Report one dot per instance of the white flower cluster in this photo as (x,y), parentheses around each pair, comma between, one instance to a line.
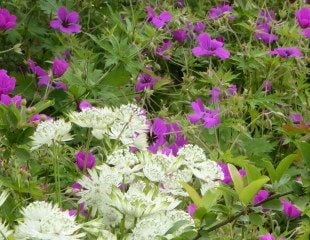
(141,200)
(155,226)
(42,220)
(50,132)
(95,192)
(127,123)
(141,189)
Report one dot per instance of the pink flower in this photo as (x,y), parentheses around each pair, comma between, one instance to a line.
(158,21)
(7,20)
(287,52)
(209,47)
(215,95)
(227,177)
(267,236)
(42,75)
(60,85)
(85,160)
(289,209)
(162,50)
(84,104)
(7,100)
(267,86)
(261,196)
(191,209)
(232,89)
(7,83)
(37,118)
(218,11)
(67,22)
(303,17)
(60,66)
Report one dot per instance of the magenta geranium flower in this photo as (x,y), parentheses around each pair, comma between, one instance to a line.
(180,35)
(84,104)
(60,85)
(263,28)
(199,27)
(303,18)
(161,132)
(42,75)
(67,22)
(7,100)
(232,89)
(7,20)
(210,118)
(162,49)
(60,66)
(287,52)
(289,209)
(7,83)
(215,95)
(227,177)
(158,21)
(145,81)
(38,118)
(218,11)
(267,236)
(296,117)
(210,47)
(261,196)
(191,209)
(85,160)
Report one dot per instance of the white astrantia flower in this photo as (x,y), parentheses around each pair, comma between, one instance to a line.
(125,162)
(155,226)
(204,169)
(192,154)
(98,119)
(42,220)
(142,200)
(4,231)
(130,126)
(50,132)
(166,171)
(95,190)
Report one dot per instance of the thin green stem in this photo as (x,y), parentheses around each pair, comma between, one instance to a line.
(56,174)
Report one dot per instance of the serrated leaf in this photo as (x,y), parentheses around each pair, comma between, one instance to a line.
(193,194)
(237,179)
(48,6)
(249,191)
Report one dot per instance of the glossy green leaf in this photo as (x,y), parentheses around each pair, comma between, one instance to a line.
(249,191)
(284,165)
(193,194)
(237,179)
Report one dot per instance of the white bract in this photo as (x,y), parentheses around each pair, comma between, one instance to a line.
(51,132)
(42,220)
(155,226)
(141,200)
(95,192)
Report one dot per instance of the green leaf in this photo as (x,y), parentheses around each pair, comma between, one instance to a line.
(249,191)
(210,198)
(271,170)
(237,179)
(117,77)
(48,6)
(284,165)
(304,148)
(253,172)
(176,226)
(193,194)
